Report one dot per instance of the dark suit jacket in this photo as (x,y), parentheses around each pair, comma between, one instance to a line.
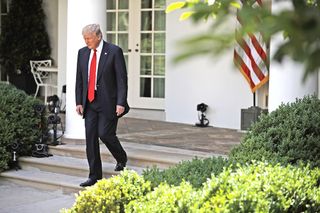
(112,79)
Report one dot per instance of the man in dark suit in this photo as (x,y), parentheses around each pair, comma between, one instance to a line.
(101,97)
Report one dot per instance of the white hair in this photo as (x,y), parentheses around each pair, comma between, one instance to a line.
(92,29)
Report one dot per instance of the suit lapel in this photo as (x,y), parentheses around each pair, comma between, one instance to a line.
(86,57)
(103,58)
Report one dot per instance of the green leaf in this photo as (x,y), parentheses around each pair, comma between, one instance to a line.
(186,15)
(235,4)
(175,6)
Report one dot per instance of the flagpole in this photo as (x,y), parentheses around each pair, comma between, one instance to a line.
(254,99)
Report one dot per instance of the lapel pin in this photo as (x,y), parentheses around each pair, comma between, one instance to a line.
(105,53)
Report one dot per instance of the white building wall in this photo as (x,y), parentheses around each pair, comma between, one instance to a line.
(212,80)
(286,83)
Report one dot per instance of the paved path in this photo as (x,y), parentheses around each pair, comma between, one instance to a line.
(21,199)
(16,198)
(184,136)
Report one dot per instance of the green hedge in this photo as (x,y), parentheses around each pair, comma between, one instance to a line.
(165,198)
(111,195)
(288,135)
(195,172)
(259,187)
(19,121)
(262,187)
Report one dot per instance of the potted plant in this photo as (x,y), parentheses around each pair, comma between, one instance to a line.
(23,38)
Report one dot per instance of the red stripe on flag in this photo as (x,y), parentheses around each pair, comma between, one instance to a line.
(254,65)
(257,45)
(243,68)
(258,48)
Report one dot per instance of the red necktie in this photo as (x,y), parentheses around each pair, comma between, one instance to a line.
(92,76)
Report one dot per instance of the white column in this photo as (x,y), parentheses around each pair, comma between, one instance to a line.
(80,13)
(62,43)
(286,79)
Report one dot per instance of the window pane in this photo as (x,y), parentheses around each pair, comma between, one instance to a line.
(123,4)
(4,6)
(160,20)
(146,41)
(159,43)
(3,19)
(159,65)
(111,37)
(123,21)
(160,4)
(111,4)
(123,41)
(158,88)
(146,4)
(146,20)
(145,65)
(145,87)
(111,21)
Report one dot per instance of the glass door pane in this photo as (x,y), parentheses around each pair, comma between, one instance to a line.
(123,4)
(158,87)
(111,4)
(146,4)
(118,24)
(160,4)
(123,21)
(111,21)
(152,40)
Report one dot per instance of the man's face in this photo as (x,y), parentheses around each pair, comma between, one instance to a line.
(92,40)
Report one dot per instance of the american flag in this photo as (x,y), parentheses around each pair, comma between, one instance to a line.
(251,57)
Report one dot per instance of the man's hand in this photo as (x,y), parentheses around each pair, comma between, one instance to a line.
(79,109)
(119,110)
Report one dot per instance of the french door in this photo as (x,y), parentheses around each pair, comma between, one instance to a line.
(138,27)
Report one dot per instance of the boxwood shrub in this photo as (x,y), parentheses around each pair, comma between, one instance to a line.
(165,198)
(195,172)
(19,122)
(111,195)
(259,187)
(288,135)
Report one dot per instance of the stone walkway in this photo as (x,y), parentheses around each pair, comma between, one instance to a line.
(15,198)
(184,136)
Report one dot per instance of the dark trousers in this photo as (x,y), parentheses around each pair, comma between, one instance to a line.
(99,126)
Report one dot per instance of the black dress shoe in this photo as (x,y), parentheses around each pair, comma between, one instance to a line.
(88,182)
(119,167)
